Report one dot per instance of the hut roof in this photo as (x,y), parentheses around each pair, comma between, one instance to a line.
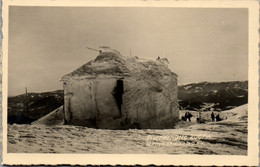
(113,64)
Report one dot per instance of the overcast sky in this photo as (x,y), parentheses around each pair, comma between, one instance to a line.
(46,43)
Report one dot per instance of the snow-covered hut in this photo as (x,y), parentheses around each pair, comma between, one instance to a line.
(119,92)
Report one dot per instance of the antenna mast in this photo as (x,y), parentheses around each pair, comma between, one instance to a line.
(92,49)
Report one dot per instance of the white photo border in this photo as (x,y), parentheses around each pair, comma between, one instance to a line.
(142,159)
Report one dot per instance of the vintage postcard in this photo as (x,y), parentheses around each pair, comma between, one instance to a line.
(130,82)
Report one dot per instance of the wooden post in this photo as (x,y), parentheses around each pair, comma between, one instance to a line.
(27,104)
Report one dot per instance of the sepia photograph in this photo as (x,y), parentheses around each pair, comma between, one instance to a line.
(129,80)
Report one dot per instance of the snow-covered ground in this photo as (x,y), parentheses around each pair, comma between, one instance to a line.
(225,137)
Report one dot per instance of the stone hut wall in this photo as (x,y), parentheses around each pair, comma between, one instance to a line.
(150,105)
(88,101)
(146,103)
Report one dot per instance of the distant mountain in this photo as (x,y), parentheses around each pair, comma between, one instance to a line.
(213,95)
(203,96)
(40,104)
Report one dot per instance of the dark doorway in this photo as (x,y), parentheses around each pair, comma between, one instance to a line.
(118,93)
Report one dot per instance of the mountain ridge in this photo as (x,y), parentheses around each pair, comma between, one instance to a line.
(204,96)
(219,95)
